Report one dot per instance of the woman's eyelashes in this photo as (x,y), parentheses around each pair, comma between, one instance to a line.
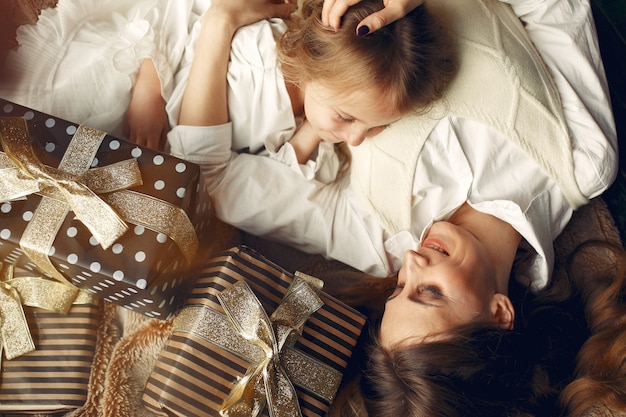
(427,290)
(431,290)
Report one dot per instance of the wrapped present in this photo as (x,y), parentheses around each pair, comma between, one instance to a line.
(47,347)
(253,337)
(121,221)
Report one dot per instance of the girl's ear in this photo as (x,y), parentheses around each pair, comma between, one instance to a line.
(502,311)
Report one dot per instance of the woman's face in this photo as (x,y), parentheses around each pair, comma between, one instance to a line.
(346,117)
(448,281)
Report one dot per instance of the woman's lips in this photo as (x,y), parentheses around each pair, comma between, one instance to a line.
(436,245)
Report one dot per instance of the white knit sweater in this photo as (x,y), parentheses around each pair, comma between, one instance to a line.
(501,81)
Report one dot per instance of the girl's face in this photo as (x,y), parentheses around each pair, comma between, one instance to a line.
(448,281)
(346,117)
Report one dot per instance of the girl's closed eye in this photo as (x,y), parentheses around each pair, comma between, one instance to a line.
(345,119)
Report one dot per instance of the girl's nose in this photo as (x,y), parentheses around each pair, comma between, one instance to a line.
(356,136)
(355,140)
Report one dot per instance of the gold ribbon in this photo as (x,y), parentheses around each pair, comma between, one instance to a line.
(15,337)
(74,186)
(104,224)
(267,345)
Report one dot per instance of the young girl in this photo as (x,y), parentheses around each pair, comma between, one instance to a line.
(328,88)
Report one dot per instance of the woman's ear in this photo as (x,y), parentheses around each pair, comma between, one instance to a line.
(502,311)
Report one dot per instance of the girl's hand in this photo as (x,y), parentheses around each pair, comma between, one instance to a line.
(245,12)
(305,141)
(333,10)
(146,121)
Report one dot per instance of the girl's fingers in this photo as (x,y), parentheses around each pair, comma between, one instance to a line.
(393,10)
(333,10)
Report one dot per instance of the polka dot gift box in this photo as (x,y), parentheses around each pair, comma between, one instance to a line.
(121,221)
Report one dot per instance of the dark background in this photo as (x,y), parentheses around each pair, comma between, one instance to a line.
(610,17)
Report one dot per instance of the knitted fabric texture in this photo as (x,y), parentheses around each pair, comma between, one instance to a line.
(501,81)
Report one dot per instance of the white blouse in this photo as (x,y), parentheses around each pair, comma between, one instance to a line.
(462,161)
(259,107)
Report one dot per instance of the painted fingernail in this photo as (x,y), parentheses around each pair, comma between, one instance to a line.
(362,31)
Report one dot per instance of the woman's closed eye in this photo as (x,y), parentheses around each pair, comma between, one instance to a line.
(432,290)
(427,290)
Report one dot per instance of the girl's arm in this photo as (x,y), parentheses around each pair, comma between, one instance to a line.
(146,121)
(160,50)
(205,100)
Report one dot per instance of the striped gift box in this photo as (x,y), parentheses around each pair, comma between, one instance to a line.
(193,375)
(54,377)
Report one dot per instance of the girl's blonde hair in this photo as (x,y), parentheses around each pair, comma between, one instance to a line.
(409,62)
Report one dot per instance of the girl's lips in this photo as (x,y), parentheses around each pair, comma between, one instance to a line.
(436,245)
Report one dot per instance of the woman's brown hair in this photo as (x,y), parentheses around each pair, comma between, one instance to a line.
(477,370)
(598,269)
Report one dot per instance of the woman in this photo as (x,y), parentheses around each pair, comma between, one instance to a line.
(473,368)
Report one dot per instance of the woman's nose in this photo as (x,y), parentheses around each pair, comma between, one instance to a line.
(412,257)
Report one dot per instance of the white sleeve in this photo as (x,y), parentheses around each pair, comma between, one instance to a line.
(265,197)
(563,31)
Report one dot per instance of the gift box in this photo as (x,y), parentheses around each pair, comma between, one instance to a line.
(221,349)
(119,220)
(46,354)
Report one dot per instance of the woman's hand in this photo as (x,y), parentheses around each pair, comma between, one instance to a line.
(333,10)
(146,121)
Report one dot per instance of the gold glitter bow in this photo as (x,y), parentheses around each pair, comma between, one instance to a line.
(265,381)
(15,337)
(104,224)
(275,366)
(74,186)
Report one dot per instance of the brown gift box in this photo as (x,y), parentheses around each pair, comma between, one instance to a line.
(145,269)
(53,378)
(193,375)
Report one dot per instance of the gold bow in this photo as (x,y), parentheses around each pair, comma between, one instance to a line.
(74,186)
(15,337)
(104,224)
(275,366)
(265,381)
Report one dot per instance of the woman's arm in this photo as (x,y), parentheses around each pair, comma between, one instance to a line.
(146,121)
(563,31)
(266,198)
